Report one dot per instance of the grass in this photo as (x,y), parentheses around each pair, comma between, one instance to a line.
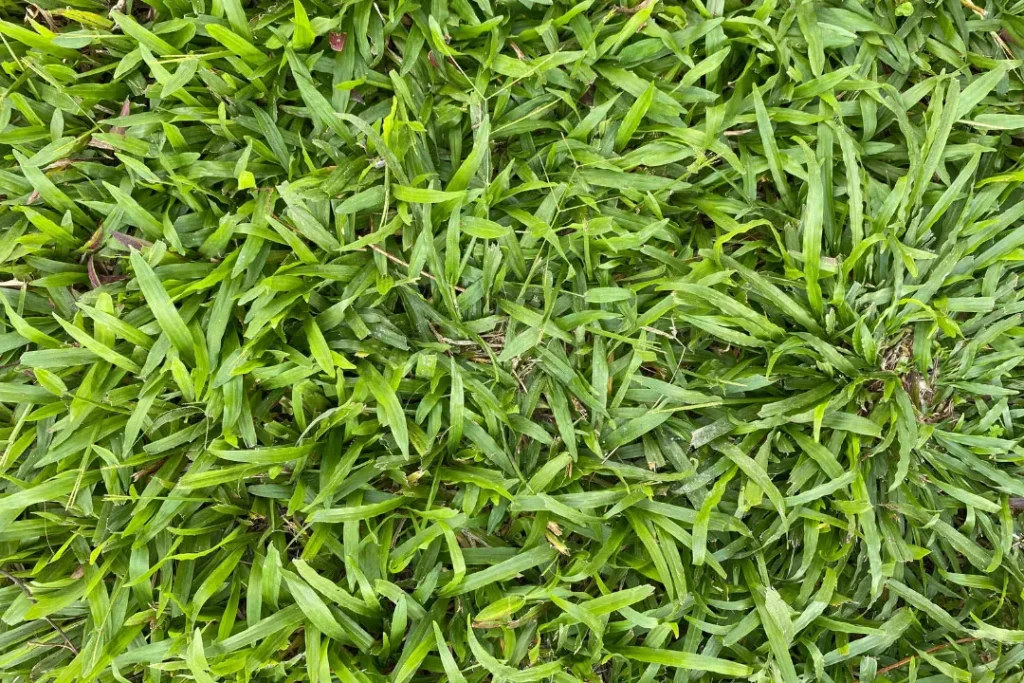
(521,341)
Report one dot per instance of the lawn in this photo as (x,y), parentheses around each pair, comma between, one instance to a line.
(514,341)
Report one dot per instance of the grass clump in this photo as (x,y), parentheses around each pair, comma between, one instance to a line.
(518,341)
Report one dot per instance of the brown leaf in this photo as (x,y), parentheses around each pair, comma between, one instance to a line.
(126,109)
(129,241)
(100,144)
(94,279)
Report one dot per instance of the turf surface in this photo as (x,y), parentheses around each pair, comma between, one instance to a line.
(511,341)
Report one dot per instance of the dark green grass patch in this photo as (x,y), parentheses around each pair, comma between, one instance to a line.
(516,341)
